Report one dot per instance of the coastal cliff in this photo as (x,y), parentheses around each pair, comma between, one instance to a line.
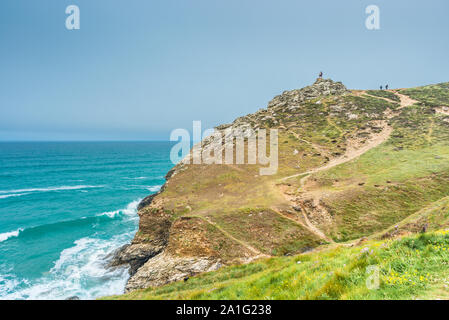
(343,174)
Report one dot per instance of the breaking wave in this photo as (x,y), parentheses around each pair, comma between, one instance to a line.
(5,236)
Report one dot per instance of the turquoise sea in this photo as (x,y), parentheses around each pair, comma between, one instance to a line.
(64,207)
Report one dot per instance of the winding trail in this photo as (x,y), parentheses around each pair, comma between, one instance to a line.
(307,225)
(257,253)
(372,143)
(406,101)
(314,229)
(349,155)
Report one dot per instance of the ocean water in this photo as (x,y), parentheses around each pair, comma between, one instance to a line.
(64,207)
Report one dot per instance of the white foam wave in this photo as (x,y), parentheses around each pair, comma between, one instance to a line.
(130,210)
(136,178)
(13,195)
(49,189)
(5,236)
(81,270)
(8,283)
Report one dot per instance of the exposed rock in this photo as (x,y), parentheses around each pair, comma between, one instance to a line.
(322,87)
(146,201)
(442,110)
(165,268)
(152,238)
(135,255)
(286,102)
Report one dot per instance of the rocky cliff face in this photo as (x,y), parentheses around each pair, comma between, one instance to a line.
(155,257)
(288,101)
(321,88)
(208,216)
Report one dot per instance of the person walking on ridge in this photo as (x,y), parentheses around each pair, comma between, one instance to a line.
(320,75)
(380,87)
(386,87)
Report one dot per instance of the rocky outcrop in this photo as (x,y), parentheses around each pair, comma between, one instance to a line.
(285,103)
(150,240)
(135,255)
(194,247)
(166,268)
(146,201)
(322,87)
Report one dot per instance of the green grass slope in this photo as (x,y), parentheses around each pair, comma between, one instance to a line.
(413,267)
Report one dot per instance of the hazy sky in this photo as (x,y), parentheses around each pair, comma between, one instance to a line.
(138,69)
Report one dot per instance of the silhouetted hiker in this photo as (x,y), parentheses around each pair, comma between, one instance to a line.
(380,87)
(386,87)
(321,74)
